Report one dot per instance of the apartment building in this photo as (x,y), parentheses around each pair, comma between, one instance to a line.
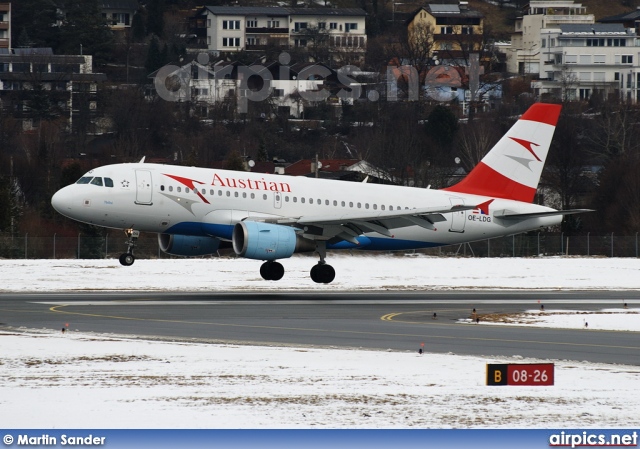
(236,28)
(579,60)
(68,81)
(5,28)
(523,56)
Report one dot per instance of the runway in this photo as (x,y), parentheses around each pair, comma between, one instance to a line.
(380,321)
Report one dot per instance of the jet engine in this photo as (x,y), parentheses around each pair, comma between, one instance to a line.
(188,245)
(266,241)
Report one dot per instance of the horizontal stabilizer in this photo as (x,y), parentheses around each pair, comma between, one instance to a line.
(506,215)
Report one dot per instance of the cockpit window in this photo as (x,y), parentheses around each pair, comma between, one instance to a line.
(108,182)
(84,180)
(97,181)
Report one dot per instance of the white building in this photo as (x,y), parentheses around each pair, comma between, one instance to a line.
(577,60)
(523,56)
(236,28)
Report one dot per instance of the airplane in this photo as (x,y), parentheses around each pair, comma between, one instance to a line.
(268,217)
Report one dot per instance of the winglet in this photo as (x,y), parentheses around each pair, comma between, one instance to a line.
(513,167)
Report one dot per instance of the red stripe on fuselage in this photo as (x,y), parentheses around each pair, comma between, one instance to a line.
(485,181)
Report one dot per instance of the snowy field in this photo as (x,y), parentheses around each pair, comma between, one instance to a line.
(84,380)
(358,272)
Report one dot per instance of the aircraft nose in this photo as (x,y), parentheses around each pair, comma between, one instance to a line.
(61,201)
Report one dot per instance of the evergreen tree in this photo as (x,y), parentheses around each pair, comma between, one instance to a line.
(137,27)
(155,17)
(84,29)
(154,57)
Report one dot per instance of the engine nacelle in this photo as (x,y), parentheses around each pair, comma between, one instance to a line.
(188,245)
(266,241)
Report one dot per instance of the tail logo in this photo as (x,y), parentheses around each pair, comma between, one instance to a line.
(528,146)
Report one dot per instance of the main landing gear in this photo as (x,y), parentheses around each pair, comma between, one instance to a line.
(128,258)
(322,273)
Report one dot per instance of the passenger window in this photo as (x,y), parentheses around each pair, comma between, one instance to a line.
(302,200)
(84,180)
(235,194)
(343,204)
(382,207)
(350,203)
(264,197)
(161,187)
(390,207)
(295,199)
(170,188)
(228,193)
(375,207)
(359,205)
(204,191)
(310,200)
(219,192)
(109,182)
(253,196)
(212,192)
(244,194)
(286,199)
(366,205)
(186,189)
(97,181)
(179,189)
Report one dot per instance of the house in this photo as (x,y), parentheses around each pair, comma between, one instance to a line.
(5,28)
(523,56)
(118,13)
(67,82)
(578,60)
(450,30)
(341,31)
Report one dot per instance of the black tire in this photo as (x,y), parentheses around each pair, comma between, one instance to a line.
(127,259)
(271,271)
(322,274)
(327,274)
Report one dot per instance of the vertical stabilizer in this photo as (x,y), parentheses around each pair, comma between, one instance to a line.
(512,168)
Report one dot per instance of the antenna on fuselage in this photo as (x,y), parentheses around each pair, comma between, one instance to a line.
(142,160)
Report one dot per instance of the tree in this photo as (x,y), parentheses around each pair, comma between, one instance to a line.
(155,17)
(137,27)
(442,125)
(154,56)
(84,31)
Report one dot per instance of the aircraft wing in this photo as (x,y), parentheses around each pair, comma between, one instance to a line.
(350,225)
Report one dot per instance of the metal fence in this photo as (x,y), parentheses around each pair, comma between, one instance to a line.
(522,245)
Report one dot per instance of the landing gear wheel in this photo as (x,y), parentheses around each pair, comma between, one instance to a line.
(323,274)
(127,259)
(271,271)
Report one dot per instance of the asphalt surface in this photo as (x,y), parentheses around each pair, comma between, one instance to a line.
(396,321)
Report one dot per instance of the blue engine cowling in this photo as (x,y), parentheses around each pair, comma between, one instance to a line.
(266,241)
(188,245)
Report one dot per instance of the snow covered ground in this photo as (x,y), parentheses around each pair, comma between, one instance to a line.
(357,272)
(84,380)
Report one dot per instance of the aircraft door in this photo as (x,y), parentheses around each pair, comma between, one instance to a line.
(458,219)
(144,187)
(277,200)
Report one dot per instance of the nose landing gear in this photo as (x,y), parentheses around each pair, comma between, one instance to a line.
(128,258)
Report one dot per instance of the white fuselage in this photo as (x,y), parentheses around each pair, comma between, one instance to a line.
(198,201)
